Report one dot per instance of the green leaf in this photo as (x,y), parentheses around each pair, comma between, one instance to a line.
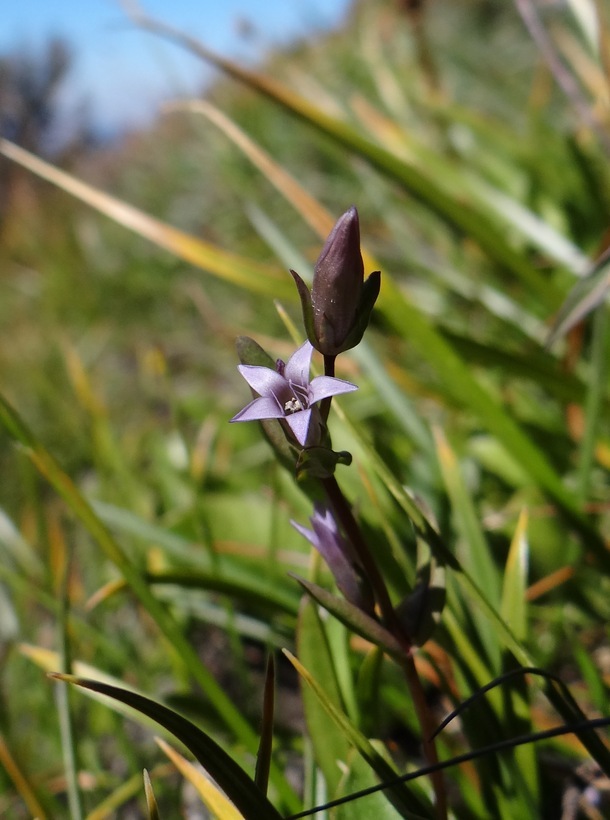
(403,798)
(514,605)
(330,748)
(359,775)
(421,610)
(353,618)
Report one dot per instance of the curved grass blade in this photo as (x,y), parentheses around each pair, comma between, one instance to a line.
(252,276)
(330,749)
(598,380)
(555,681)
(230,777)
(476,557)
(316,216)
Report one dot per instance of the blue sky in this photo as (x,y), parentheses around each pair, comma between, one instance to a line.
(126,73)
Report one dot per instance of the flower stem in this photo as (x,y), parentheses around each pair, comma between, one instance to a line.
(352,530)
(427,731)
(329,370)
(350,526)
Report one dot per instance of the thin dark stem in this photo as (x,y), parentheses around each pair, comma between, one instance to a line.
(329,370)
(427,729)
(352,530)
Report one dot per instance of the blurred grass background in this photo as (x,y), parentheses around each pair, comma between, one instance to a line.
(120,356)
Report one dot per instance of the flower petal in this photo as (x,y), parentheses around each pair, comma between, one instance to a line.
(265,381)
(327,540)
(324,386)
(263,408)
(308,534)
(299,424)
(297,366)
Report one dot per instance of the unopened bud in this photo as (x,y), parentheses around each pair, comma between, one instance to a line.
(338,310)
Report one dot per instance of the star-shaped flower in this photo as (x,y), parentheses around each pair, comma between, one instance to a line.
(287,393)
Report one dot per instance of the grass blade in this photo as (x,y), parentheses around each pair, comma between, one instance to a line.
(252,276)
(230,777)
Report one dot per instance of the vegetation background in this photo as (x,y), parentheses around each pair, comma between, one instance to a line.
(473,137)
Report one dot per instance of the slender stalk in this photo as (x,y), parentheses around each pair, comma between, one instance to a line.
(427,729)
(352,530)
(329,370)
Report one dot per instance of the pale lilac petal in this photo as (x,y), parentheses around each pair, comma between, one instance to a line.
(299,424)
(308,534)
(324,386)
(323,522)
(332,547)
(265,381)
(326,531)
(262,408)
(297,366)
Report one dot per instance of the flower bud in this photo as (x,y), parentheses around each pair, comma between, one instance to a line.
(337,311)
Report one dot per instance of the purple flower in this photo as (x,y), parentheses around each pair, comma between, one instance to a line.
(339,555)
(287,393)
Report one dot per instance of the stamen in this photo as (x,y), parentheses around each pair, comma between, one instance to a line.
(293,405)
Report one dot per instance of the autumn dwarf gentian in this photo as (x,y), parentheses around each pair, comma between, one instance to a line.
(286,393)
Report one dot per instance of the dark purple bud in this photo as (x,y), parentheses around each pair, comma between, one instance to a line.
(337,312)
(337,284)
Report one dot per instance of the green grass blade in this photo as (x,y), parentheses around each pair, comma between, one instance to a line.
(330,748)
(230,777)
(405,800)
(514,604)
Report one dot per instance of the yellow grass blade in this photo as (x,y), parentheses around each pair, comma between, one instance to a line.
(220,806)
(20,781)
(314,214)
(253,276)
